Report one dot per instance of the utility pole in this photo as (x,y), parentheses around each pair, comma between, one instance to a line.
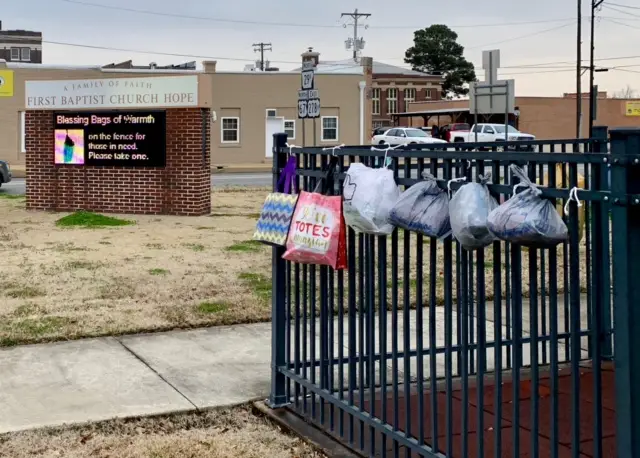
(579,72)
(592,96)
(262,47)
(356,43)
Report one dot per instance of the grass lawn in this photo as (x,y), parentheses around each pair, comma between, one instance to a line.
(68,276)
(213,434)
(76,275)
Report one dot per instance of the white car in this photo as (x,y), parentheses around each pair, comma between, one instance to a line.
(404,136)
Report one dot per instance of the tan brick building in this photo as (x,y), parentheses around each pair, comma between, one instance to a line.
(247,107)
(544,117)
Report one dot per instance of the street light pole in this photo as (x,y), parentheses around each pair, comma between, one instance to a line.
(579,72)
(592,97)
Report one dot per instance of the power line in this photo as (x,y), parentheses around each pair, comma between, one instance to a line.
(624,25)
(262,47)
(297,24)
(621,11)
(237,59)
(624,6)
(626,70)
(539,32)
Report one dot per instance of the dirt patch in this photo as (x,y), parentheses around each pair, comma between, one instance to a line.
(153,273)
(213,434)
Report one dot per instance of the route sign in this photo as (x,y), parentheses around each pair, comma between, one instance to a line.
(313,108)
(302,109)
(307,79)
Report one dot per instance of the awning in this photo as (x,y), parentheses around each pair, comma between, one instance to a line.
(444,111)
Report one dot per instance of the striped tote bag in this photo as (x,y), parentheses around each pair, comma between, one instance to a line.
(275,218)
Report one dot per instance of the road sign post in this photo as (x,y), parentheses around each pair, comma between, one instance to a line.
(308,96)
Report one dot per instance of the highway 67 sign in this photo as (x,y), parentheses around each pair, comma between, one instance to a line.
(302,109)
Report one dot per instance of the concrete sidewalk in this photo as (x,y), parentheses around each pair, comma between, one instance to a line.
(149,374)
(99,379)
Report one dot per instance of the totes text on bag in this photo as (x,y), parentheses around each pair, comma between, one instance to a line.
(312,228)
(275,218)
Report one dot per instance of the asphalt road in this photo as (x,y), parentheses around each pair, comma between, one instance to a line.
(17,185)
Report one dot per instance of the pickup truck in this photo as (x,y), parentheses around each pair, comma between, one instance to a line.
(493,133)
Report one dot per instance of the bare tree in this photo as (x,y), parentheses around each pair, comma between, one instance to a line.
(626,93)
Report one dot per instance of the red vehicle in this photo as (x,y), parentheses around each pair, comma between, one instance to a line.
(456,127)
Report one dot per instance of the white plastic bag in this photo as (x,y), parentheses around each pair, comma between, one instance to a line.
(424,208)
(526,218)
(369,195)
(469,208)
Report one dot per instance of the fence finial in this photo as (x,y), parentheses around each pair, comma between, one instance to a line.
(573,195)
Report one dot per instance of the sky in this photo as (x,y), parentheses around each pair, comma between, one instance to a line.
(537,40)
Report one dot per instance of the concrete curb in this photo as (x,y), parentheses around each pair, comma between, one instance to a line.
(234,169)
(21,173)
(305,431)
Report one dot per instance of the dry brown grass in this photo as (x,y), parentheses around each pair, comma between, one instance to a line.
(213,434)
(164,272)
(161,273)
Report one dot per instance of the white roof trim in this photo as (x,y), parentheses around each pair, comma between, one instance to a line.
(50,66)
(150,71)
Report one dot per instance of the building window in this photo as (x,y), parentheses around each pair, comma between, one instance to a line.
(272,112)
(329,129)
(375,99)
(25,55)
(290,128)
(230,130)
(409,96)
(428,93)
(392,100)
(23,132)
(15,54)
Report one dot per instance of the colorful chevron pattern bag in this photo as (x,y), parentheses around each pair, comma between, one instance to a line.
(277,211)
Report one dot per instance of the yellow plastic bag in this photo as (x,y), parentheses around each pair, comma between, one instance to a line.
(559,206)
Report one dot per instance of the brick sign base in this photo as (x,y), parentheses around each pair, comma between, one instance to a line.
(183,187)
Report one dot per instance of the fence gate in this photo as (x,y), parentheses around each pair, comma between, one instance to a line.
(421,348)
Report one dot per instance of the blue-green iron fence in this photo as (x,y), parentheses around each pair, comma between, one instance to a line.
(421,348)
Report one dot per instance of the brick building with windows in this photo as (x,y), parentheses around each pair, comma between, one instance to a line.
(394,88)
(20,46)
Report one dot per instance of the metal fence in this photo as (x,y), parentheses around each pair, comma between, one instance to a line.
(421,348)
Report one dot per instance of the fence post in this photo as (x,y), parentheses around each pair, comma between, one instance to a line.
(278,397)
(625,181)
(600,280)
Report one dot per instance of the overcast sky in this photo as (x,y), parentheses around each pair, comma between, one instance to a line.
(318,24)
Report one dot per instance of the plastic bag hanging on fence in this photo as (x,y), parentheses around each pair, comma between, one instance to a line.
(424,208)
(318,234)
(468,210)
(527,219)
(369,195)
(275,217)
